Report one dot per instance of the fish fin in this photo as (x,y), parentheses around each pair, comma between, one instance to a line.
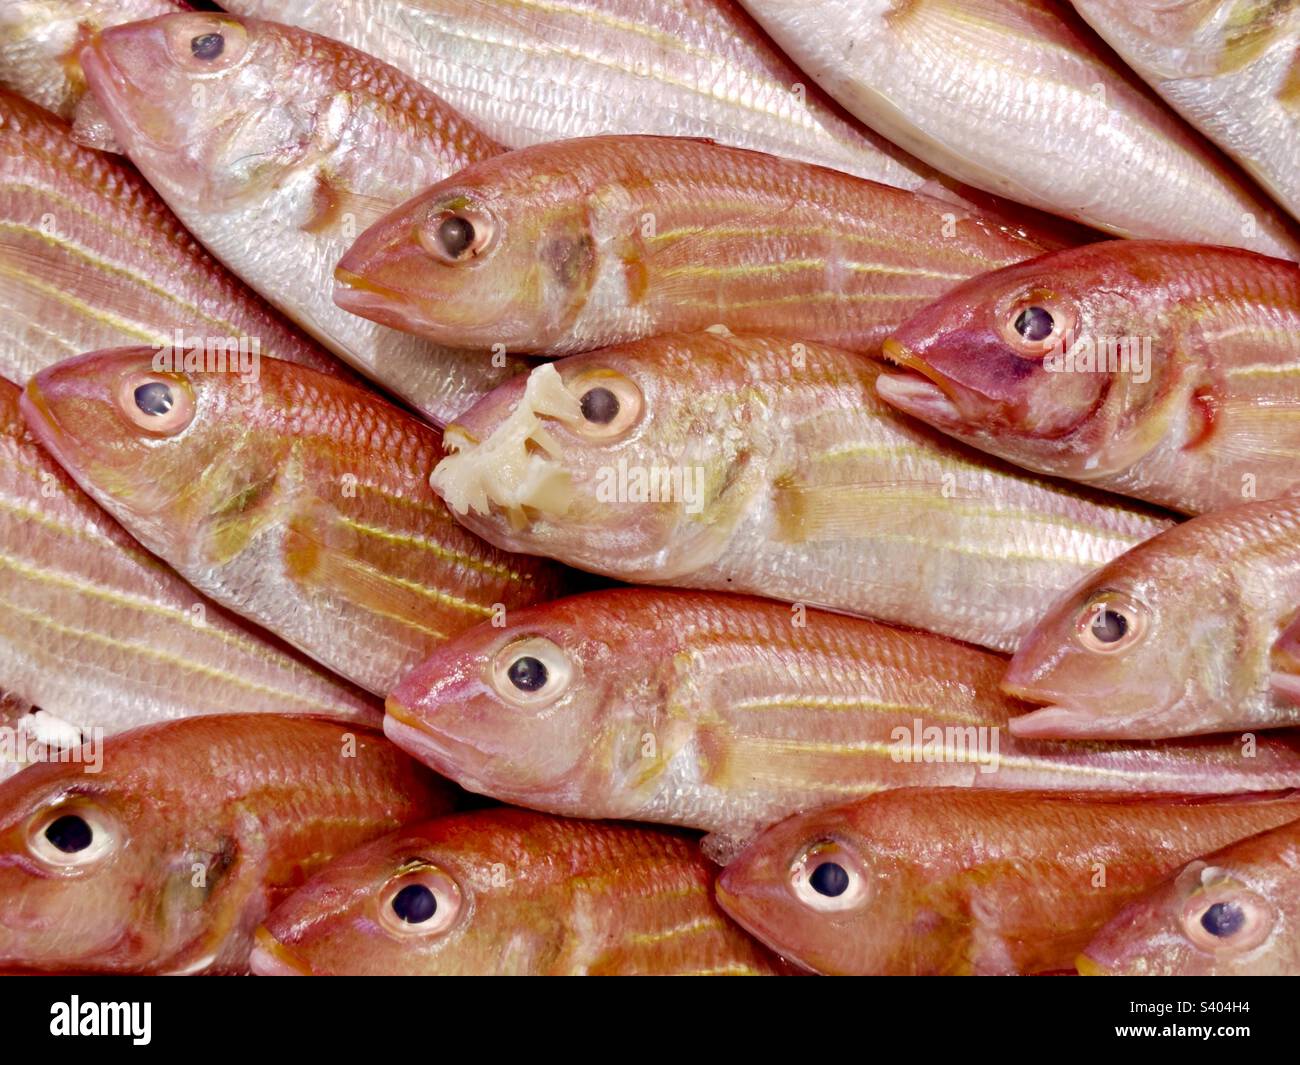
(1250,31)
(334,205)
(1284,678)
(1288,94)
(320,554)
(813,513)
(1285,686)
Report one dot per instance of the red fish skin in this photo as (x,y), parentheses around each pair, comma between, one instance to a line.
(586,243)
(1196,412)
(198,828)
(517,893)
(971,882)
(1230,913)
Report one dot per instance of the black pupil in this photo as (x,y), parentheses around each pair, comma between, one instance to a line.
(1109,625)
(1034,323)
(154,398)
(1223,919)
(456,235)
(829,879)
(527,674)
(415,904)
(599,405)
(69,833)
(207,45)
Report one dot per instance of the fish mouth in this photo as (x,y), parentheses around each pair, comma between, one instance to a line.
(1086,966)
(415,736)
(1056,722)
(914,388)
(270,957)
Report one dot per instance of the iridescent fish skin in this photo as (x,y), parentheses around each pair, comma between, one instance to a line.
(1230,67)
(1023,100)
(1231,913)
(90,257)
(40,39)
(532,71)
(1192,632)
(753,465)
(515,893)
(726,713)
(1169,372)
(276,151)
(295,499)
(586,243)
(168,857)
(955,881)
(96,633)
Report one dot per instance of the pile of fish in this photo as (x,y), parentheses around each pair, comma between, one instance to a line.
(650,487)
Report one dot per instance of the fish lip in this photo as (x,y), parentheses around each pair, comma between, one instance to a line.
(415,736)
(915,388)
(734,907)
(1086,966)
(270,957)
(1045,722)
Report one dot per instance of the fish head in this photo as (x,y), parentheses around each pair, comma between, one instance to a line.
(1145,647)
(443,898)
(193,99)
(816,891)
(546,711)
(75,866)
(636,462)
(1019,361)
(1183,39)
(168,451)
(1212,918)
(496,258)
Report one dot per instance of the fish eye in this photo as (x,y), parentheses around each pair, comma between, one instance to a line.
(1224,916)
(531,672)
(610,404)
(457,234)
(829,878)
(1110,622)
(421,902)
(70,836)
(158,402)
(1036,324)
(207,45)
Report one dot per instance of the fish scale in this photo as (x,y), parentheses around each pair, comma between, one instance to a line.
(538,896)
(97,633)
(92,258)
(1023,100)
(297,500)
(726,713)
(255,804)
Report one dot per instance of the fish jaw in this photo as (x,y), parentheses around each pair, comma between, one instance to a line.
(270,957)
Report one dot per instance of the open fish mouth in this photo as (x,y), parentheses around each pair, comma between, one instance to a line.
(515,468)
(913,388)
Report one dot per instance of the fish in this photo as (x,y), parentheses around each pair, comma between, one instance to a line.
(1193,632)
(1230,67)
(509,892)
(99,636)
(1167,372)
(1230,913)
(532,71)
(40,39)
(297,500)
(276,148)
(748,464)
(582,244)
(1023,100)
(729,713)
(962,882)
(90,257)
(163,854)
